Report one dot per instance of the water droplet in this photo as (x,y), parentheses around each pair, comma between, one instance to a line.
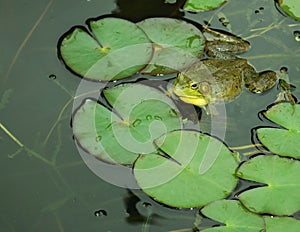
(98,138)
(136,122)
(108,126)
(173,112)
(52,76)
(146,204)
(225,24)
(206,23)
(297,35)
(222,19)
(100,213)
(240,174)
(149,117)
(156,117)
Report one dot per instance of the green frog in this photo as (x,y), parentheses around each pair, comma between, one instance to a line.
(222,76)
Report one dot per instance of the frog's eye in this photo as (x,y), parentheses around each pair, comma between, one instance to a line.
(194,85)
(204,87)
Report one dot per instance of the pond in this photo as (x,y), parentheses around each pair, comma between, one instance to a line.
(45,183)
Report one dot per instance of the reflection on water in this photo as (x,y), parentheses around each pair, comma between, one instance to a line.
(136,10)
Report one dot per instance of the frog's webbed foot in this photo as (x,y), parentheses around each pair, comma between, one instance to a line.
(259,82)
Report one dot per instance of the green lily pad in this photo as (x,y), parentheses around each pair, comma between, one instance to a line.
(177,181)
(202,5)
(234,216)
(291,7)
(92,130)
(140,114)
(177,44)
(284,142)
(117,48)
(279,224)
(282,177)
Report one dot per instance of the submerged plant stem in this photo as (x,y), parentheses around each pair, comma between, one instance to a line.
(57,120)
(26,40)
(11,135)
(263,30)
(38,156)
(22,146)
(62,112)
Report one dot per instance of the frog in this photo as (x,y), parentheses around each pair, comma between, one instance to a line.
(222,76)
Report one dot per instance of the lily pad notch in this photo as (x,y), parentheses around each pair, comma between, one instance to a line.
(102,52)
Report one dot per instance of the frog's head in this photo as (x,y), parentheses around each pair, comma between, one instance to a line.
(192,91)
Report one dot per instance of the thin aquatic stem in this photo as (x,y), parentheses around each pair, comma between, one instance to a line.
(11,135)
(22,146)
(254,152)
(63,88)
(246,146)
(26,40)
(59,224)
(273,55)
(57,121)
(263,30)
(61,114)
(38,156)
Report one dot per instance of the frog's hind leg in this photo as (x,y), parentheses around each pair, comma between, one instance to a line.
(259,82)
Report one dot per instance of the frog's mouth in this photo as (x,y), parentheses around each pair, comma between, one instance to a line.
(197,100)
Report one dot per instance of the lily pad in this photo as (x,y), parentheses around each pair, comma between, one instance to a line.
(202,5)
(140,114)
(92,130)
(177,44)
(280,196)
(116,48)
(284,142)
(235,217)
(279,224)
(177,181)
(291,7)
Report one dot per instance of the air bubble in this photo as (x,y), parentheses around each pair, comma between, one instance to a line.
(146,204)
(52,76)
(283,69)
(297,35)
(173,112)
(259,10)
(100,213)
(222,19)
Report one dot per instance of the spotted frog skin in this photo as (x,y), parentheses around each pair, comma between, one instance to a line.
(221,77)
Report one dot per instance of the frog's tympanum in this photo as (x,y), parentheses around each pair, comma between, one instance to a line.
(222,76)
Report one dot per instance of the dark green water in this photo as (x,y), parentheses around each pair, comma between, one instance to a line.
(64,195)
